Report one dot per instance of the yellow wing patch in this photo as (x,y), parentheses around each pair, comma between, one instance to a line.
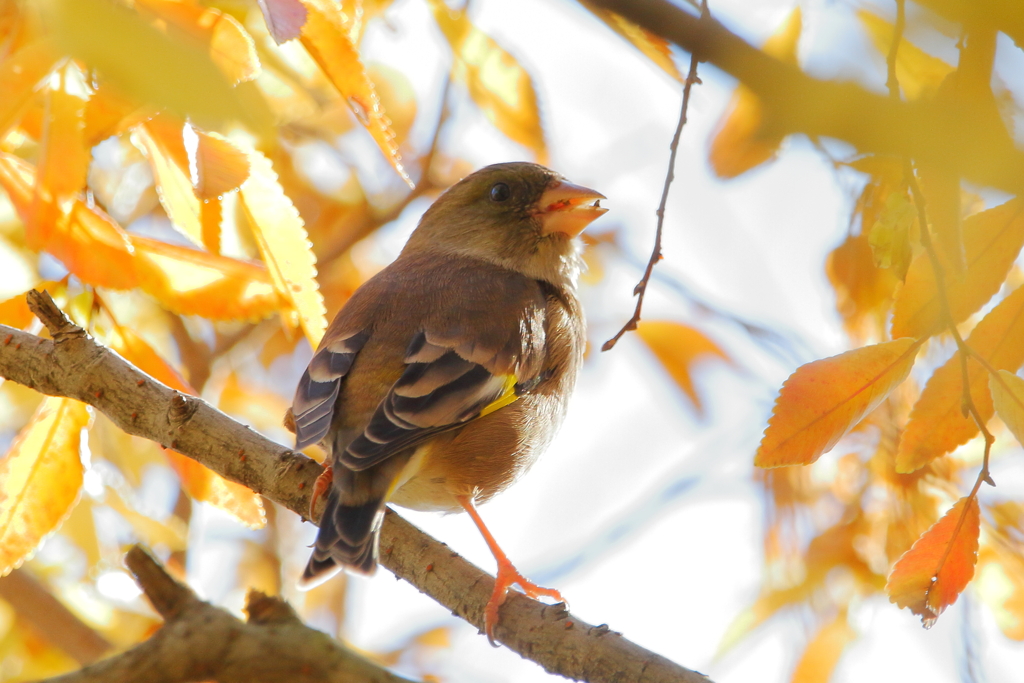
(508,395)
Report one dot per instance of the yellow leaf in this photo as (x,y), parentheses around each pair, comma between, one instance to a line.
(40,478)
(937,424)
(229,45)
(124,48)
(20,76)
(739,142)
(654,47)
(918,73)
(497,82)
(889,237)
(823,400)
(284,245)
(822,655)
(678,347)
(329,43)
(162,143)
(1008,398)
(992,240)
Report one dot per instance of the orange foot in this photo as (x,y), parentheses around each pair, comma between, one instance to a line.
(507,575)
(320,487)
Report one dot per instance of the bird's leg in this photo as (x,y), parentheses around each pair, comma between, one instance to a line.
(321,486)
(506,577)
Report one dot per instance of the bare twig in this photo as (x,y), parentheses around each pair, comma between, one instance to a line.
(74,365)
(964,350)
(641,288)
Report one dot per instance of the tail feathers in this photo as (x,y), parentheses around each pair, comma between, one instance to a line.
(348,539)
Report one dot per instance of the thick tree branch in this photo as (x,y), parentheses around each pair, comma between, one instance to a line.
(200,642)
(74,365)
(963,140)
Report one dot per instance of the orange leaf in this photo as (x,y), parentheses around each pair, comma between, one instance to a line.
(1008,398)
(63,163)
(654,47)
(40,478)
(200,482)
(497,82)
(220,166)
(89,243)
(328,42)
(992,240)
(678,347)
(863,290)
(108,112)
(937,424)
(193,282)
(211,212)
(14,312)
(739,143)
(930,576)
(823,400)
(161,140)
(284,245)
(143,356)
(231,47)
(20,77)
(822,655)
(203,484)
(63,158)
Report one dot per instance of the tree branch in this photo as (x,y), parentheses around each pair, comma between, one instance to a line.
(33,602)
(965,141)
(200,642)
(74,365)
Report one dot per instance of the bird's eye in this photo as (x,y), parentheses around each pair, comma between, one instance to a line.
(500,192)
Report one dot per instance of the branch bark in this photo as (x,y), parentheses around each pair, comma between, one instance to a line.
(965,140)
(75,366)
(200,642)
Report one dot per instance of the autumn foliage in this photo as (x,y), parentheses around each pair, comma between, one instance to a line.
(177,226)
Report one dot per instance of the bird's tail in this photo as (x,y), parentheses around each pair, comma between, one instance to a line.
(348,539)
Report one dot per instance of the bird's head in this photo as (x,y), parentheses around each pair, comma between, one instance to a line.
(520,216)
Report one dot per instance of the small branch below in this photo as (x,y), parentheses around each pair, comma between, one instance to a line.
(200,642)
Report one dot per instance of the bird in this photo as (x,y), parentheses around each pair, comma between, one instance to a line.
(444,376)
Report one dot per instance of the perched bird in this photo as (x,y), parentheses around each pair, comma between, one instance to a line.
(446,374)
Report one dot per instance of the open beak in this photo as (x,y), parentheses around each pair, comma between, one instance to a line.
(568,208)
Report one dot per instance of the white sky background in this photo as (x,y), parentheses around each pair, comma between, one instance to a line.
(645,517)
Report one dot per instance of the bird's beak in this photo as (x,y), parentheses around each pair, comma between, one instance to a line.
(568,208)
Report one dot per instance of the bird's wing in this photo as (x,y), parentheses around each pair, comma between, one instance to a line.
(313,406)
(447,383)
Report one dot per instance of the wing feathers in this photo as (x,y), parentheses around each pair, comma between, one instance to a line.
(318,389)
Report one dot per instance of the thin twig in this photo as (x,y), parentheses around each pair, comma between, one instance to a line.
(910,178)
(641,288)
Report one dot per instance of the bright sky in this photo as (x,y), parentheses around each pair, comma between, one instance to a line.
(645,517)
